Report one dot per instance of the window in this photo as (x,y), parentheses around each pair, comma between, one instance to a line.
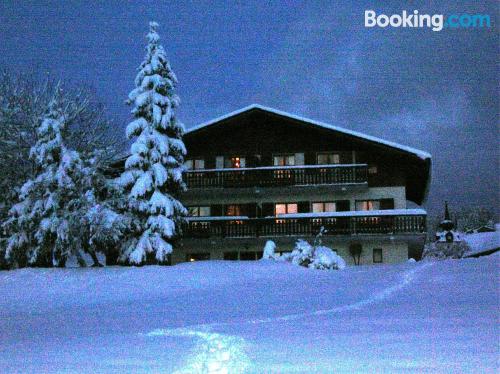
(231,256)
(195,164)
(377,255)
(372,169)
(322,207)
(197,257)
(284,160)
(199,211)
(233,210)
(328,158)
(235,162)
(290,208)
(367,205)
(382,204)
(243,255)
(248,256)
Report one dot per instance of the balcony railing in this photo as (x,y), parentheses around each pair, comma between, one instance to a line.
(276,176)
(388,222)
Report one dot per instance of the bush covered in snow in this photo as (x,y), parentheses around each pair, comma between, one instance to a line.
(269,249)
(324,259)
(314,256)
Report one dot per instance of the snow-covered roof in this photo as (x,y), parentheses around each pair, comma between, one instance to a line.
(421,154)
(482,242)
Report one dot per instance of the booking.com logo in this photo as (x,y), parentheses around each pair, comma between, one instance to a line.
(436,22)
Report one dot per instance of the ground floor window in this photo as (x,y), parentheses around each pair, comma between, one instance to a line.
(243,255)
(377,255)
(191,257)
(231,256)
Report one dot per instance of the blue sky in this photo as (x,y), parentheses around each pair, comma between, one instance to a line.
(437,91)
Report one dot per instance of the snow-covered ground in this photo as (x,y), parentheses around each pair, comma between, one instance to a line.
(256,317)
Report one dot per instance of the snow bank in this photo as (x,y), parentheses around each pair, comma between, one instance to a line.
(408,317)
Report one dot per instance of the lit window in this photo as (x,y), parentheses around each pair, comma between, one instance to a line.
(195,164)
(235,162)
(372,169)
(233,210)
(368,205)
(284,160)
(192,257)
(377,255)
(328,158)
(286,209)
(324,207)
(199,211)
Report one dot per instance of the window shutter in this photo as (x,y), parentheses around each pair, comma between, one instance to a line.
(386,204)
(216,210)
(343,205)
(303,206)
(251,210)
(267,209)
(299,159)
(219,162)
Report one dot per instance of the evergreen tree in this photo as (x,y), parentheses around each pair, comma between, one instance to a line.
(44,225)
(153,171)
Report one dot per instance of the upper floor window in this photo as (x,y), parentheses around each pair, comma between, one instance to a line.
(199,211)
(195,164)
(284,160)
(372,169)
(286,208)
(234,210)
(328,158)
(235,162)
(322,207)
(382,204)
(367,205)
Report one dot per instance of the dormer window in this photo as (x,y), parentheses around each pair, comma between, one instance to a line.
(195,164)
(328,158)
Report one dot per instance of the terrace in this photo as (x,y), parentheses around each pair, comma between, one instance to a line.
(394,221)
(278,176)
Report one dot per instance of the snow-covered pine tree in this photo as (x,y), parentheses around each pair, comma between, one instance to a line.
(153,171)
(44,225)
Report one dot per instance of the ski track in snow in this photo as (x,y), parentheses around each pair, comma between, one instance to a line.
(219,353)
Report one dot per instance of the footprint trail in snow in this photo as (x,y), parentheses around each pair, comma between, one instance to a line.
(217,353)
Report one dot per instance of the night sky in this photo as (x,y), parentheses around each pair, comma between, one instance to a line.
(436,91)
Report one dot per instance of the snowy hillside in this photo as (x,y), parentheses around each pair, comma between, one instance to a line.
(256,317)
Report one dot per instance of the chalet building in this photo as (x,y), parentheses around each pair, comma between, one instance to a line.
(261,174)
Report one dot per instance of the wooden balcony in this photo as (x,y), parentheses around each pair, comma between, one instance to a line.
(275,176)
(358,223)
